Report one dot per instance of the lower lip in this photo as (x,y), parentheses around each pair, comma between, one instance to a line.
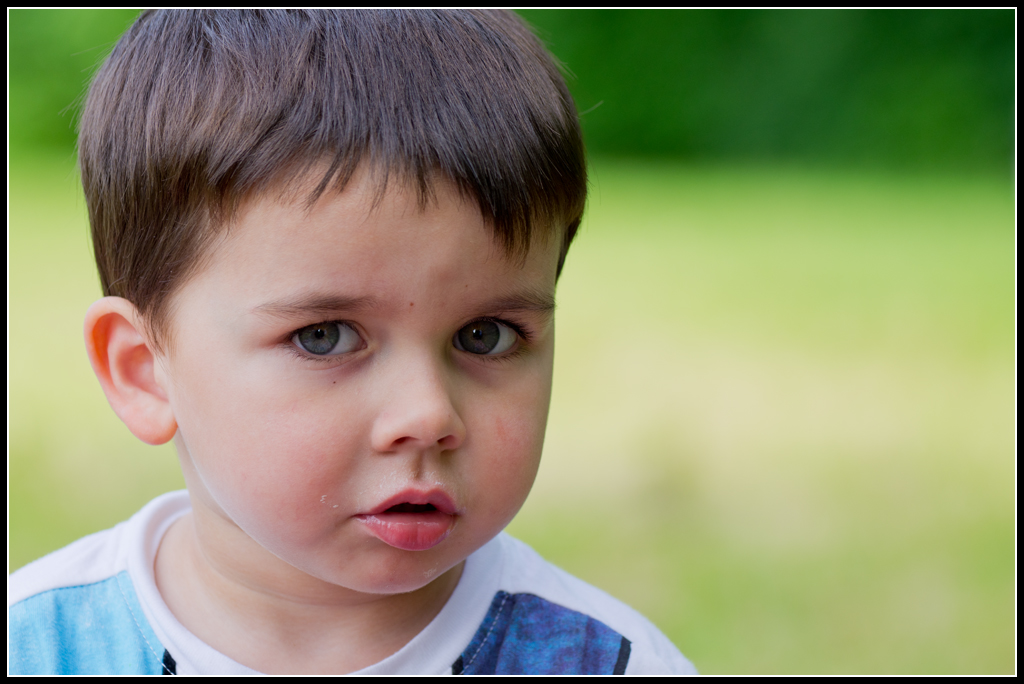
(410,531)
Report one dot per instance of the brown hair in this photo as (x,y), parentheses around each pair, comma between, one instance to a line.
(195,110)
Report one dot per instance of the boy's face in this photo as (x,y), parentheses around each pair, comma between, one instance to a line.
(360,390)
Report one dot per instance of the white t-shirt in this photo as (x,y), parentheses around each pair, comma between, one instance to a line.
(93,607)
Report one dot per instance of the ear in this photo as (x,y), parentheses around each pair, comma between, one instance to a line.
(128,369)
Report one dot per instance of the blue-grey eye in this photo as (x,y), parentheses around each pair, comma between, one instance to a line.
(328,339)
(485,337)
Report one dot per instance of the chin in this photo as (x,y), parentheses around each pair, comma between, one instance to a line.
(397,572)
(400,583)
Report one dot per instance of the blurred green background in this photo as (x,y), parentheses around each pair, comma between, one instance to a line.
(782,424)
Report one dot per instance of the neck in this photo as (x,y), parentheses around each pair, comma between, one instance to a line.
(270,616)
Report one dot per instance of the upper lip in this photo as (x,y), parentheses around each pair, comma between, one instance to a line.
(435,497)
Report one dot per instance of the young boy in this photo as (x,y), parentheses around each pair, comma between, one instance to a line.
(329,243)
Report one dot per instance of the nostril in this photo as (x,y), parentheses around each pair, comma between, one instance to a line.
(418,423)
(449,441)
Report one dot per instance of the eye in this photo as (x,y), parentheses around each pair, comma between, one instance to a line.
(328,339)
(485,337)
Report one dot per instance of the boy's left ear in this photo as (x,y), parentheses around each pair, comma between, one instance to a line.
(125,363)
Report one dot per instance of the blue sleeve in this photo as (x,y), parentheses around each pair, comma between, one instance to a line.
(525,634)
(90,629)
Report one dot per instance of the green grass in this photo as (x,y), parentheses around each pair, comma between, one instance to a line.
(782,425)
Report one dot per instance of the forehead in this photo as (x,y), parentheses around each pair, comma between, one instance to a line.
(385,249)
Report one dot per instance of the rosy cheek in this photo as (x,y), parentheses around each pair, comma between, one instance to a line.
(513,436)
(267,451)
(517,445)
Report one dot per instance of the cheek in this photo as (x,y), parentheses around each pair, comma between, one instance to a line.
(520,439)
(263,446)
(508,449)
(521,434)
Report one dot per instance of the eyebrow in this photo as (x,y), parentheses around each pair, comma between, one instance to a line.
(325,304)
(523,301)
(314,304)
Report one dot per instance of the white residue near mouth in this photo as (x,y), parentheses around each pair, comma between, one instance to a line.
(323,499)
(430,573)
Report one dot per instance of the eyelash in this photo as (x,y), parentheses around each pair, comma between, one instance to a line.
(525,337)
(306,356)
(313,358)
(519,328)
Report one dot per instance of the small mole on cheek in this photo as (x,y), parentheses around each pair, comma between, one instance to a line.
(410,303)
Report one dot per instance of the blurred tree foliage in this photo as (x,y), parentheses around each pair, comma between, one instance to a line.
(893,87)
(52,55)
(899,87)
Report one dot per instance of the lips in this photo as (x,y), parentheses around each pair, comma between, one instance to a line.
(412,520)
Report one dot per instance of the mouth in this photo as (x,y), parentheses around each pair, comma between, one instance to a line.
(411,520)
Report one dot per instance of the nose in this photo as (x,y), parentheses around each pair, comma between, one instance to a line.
(417,412)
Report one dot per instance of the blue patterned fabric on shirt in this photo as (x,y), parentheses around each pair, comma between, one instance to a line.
(525,634)
(94,628)
(100,628)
